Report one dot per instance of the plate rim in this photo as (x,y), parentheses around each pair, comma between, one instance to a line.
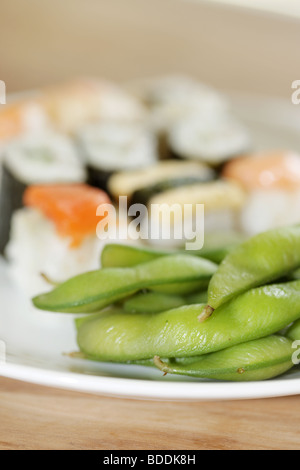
(151,389)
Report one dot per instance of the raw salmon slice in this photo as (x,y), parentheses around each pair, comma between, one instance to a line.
(72,208)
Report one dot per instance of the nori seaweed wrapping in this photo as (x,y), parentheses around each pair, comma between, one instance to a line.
(11,199)
(217,167)
(99,178)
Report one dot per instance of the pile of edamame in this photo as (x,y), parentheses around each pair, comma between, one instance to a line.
(231,313)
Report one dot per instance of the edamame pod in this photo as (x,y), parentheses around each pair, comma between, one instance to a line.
(154,302)
(199,298)
(294,331)
(93,291)
(260,359)
(120,337)
(182,288)
(116,255)
(258,261)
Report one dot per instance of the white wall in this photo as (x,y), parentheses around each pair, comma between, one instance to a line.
(49,40)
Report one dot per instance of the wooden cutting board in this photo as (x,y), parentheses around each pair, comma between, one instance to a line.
(33,417)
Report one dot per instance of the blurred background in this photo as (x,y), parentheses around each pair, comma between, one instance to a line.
(237,45)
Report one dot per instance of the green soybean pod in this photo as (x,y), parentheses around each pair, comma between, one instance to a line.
(258,261)
(152,302)
(260,359)
(120,337)
(294,331)
(181,288)
(116,255)
(198,298)
(93,291)
(216,255)
(155,302)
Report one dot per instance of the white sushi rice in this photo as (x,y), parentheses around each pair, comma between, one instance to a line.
(116,104)
(178,88)
(34,118)
(112,145)
(44,158)
(267,209)
(212,141)
(172,98)
(35,247)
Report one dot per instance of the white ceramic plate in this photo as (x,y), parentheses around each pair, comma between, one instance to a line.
(36,341)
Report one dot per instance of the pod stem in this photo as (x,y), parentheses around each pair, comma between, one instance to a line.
(161,365)
(206,313)
(49,280)
(75,355)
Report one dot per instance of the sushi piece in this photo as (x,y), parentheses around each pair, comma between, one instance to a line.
(55,234)
(210,141)
(179,183)
(272,182)
(171,98)
(31,159)
(20,117)
(110,146)
(223,201)
(140,185)
(73,104)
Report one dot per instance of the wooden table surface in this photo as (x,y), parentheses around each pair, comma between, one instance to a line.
(34,417)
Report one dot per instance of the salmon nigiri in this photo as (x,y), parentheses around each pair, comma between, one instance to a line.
(72,208)
(272,182)
(55,234)
(276,170)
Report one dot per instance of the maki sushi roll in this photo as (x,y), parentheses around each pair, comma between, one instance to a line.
(141,185)
(213,141)
(171,98)
(55,234)
(272,182)
(174,98)
(74,104)
(32,159)
(110,146)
